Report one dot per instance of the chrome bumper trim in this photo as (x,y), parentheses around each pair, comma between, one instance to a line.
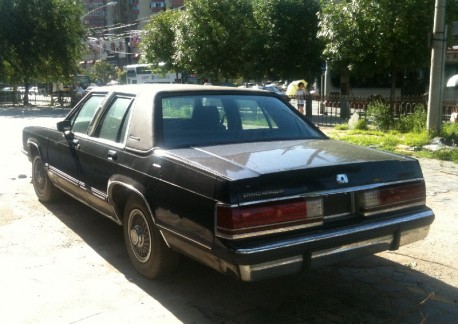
(354,230)
(265,270)
(317,258)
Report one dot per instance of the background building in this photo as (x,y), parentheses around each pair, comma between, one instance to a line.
(114,31)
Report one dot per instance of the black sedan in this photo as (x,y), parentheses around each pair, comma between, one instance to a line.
(234,178)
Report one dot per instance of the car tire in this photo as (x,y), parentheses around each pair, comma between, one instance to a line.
(44,188)
(146,248)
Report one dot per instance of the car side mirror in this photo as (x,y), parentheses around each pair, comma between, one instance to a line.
(65,127)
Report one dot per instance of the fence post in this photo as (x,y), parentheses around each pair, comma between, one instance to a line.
(308,105)
(344,107)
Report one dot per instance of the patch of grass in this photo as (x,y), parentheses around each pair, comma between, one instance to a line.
(393,140)
(444,155)
(342,127)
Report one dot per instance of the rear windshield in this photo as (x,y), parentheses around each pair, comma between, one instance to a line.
(199,120)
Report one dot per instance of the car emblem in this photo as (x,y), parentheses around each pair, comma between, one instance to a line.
(342,178)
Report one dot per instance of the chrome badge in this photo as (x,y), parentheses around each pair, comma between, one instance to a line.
(342,178)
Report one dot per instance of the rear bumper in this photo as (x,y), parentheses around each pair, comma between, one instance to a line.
(295,255)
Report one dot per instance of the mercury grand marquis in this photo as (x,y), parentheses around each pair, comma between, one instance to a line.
(236,179)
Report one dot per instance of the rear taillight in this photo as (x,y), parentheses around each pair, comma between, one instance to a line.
(261,219)
(392,198)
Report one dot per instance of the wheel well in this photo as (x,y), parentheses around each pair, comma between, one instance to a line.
(120,195)
(33,151)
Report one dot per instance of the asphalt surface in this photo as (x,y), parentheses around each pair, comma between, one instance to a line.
(64,263)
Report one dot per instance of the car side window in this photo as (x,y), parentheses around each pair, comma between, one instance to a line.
(84,117)
(114,122)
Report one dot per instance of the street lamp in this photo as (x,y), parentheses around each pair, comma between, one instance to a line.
(109,4)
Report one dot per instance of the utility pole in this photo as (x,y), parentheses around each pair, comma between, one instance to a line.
(434,120)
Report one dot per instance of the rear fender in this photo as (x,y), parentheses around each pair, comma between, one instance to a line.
(120,188)
(33,149)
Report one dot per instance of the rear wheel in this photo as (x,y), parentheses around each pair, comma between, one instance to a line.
(44,189)
(147,250)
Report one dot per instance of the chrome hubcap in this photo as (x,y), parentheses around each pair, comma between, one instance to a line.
(136,236)
(139,235)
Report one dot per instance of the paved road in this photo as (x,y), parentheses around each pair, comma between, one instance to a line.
(63,263)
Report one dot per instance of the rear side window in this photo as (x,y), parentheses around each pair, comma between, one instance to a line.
(80,122)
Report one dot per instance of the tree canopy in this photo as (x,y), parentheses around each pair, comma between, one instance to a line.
(158,43)
(288,30)
(40,39)
(225,39)
(214,37)
(366,37)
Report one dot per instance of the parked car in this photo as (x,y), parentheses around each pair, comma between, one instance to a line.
(270,88)
(277,91)
(36,91)
(67,88)
(8,89)
(234,178)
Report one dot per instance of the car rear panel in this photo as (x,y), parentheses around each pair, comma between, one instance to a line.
(336,173)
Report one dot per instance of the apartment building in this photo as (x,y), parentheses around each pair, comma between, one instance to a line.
(104,13)
(114,28)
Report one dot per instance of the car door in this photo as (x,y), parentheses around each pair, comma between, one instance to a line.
(101,155)
(63,150)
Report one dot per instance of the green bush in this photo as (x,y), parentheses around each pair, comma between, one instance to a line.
(361,125)
(415,122)
(380,115)
(450,133)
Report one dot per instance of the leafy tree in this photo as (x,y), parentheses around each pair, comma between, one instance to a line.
(102,72)
(158,43)
(365,37)
(121,75)
(212,37)
(40,39)
(290,46)
(232,38)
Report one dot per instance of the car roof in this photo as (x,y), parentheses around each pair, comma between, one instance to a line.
(140,131)
(175,87)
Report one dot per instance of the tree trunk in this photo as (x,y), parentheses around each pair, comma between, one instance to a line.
(393,90)
(26,93)
(345,83)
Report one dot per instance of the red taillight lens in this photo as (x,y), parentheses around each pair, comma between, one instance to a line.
(392,198)
(246,221)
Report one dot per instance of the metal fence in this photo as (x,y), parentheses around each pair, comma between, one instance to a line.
(326,111)
(55,99)
(333,110)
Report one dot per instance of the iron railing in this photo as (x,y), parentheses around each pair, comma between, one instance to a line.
(11,98)
(332,110)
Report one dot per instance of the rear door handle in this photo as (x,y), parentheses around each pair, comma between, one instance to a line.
(112,155)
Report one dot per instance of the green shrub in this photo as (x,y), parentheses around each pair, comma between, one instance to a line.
(380,115)
(361,125)
(450,133)
(415,122)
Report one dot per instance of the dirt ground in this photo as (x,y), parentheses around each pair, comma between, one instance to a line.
(63,263)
